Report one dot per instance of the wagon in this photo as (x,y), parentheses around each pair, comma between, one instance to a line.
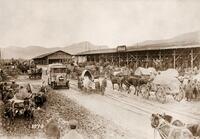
(161,92)
(88,83)
(35,73)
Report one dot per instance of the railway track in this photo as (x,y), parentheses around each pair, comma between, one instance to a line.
(148,109)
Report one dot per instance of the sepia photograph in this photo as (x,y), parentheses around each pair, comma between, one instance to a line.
(99,69)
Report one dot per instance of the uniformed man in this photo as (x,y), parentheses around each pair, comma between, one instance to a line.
(103,85)
(189,90)
(73,134)
(14,86)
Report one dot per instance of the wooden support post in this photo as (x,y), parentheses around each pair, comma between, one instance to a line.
(136,63)
(174,55)
(127,59)
(192,58)
(147,59)
(119,59)
(112,59)
(160,56)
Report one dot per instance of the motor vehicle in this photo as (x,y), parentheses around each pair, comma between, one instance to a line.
(57,76)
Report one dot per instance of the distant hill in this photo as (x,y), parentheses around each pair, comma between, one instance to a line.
(183,39)
(81,47)
(32,51)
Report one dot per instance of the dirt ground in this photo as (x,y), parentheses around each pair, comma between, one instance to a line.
(61,109)
(117,115)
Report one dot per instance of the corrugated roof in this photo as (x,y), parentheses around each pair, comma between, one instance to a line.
(161,46)
(99,51)
(47,54)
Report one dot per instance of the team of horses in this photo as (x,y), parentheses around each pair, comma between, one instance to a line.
(128,81)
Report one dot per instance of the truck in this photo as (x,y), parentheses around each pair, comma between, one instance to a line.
(57,76)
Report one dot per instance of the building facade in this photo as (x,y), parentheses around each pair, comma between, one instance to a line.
(53,57)
(160,56)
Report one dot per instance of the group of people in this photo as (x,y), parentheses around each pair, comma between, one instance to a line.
(8,91)
(192,89)
(15,91)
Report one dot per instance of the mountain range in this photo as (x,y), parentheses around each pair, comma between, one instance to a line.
(192,38)
(33,51)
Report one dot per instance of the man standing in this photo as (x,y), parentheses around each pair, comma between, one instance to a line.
(189,90)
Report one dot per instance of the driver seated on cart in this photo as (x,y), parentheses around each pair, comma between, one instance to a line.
(14,86)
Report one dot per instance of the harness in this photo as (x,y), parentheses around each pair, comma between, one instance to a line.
(162,124)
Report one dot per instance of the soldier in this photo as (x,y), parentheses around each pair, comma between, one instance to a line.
(14,86)
(103,85)
(73,134)
(43,87)
(196,89)
(189,90)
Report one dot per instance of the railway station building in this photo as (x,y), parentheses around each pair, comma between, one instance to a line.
(160,56)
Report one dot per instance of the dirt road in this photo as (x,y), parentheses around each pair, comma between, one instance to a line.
(115,115)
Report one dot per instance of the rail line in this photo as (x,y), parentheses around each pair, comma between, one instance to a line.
(134,106)
(135,110)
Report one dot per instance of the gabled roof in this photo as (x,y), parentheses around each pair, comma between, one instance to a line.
(50,53)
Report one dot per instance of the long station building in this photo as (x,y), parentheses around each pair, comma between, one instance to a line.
(161,56)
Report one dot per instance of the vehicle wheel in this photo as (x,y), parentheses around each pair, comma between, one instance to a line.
(178,97)
(161,95)
(67,85)
(49,82)
(144,91)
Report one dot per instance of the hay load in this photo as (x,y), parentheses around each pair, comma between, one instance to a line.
(145,71)
(168,78)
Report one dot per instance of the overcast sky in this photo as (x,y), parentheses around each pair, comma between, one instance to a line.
(52,23)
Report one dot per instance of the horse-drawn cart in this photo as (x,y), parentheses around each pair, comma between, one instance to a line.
(161,92)
(35,73)
(162,87)
(88,83)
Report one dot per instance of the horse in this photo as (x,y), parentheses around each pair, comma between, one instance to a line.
(171,120)
(136,81)
(169,131)
(194,129)
(116,80)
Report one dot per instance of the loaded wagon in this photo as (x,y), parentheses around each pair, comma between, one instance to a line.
(163,86)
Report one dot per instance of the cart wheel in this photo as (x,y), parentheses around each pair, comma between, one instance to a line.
(161,95)
(179,96)
(67,85)
(144,91)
